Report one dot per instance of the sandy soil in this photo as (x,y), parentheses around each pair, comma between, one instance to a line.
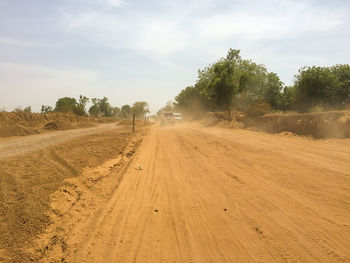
(35,169)
(193,194)
(26,123)
(18,145)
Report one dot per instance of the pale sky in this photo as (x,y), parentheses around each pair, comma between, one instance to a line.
(132,50)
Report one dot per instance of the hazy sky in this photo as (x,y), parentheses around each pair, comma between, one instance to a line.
(130,50)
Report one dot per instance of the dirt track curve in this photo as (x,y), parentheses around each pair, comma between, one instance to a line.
(196,194)
(18,145)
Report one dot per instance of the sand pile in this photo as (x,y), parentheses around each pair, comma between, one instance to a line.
(24,123)
(335,124)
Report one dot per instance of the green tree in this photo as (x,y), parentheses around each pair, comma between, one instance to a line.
(101,107)
(116,112)
(80,108)
(224,83)
(105,107)
(28,109)
(232,82)
(287,98)
(342,89)
(272,93)
(252,86)
(66,105)
(46,109)
(125,111)
(184,100)
(140,108)
(327,87)
(94,110)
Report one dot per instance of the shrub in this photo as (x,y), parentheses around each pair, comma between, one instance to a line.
(258,108)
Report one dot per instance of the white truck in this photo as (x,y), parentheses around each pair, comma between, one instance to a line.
(171,118)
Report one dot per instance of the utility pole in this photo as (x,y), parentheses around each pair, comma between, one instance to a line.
(133,122)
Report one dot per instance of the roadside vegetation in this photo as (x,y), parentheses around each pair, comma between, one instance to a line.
(99,108)
(236,84)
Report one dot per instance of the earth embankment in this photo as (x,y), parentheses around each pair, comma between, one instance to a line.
(318,125)
(26,123)
(34,168)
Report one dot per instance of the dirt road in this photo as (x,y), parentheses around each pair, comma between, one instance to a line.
(18,145)
(195,194)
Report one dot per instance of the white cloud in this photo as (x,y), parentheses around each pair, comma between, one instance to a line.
(180,29)
(9,41)
(145,34)
(75,76)
(115,3)
(286,20)
(93,24)
(166,41)
(106,3)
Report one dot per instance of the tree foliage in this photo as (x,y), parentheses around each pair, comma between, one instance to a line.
(101,107)
(28,109)
(231,82)
(236,83)
(322,86)
(140,108)
(81,106)
(46,109)
(66,105)
(116,111)
(224,81)
(192,99)
(125,111)
(71,105)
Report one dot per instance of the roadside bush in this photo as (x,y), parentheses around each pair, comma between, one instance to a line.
(46,109)
(325,86)
(28,109)
(258,108)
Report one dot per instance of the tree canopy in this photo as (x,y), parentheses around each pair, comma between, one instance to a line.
(322,86)
(231,82)
(125,111)
(140,108)
(236,83)
(101,107)
(66,105)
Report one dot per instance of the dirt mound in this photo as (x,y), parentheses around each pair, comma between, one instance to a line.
(258,108)
(36,119)
(317,125)
(58,126)
(221,119)
(25,123)
(209,119)
(335,124)
(28,180)
(233,124)
(11,130)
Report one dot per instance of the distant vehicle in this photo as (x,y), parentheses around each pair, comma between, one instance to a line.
(177,117)
(167,118)
(171,118)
